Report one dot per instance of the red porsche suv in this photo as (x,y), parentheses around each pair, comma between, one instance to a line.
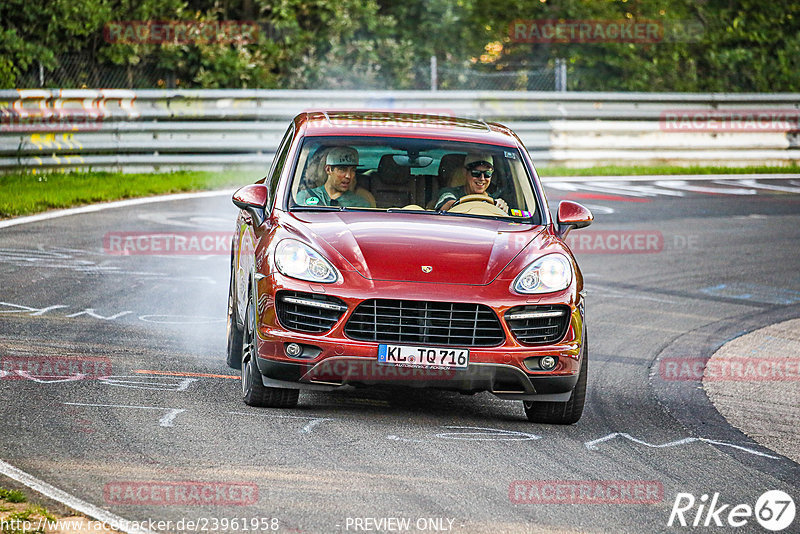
(392,249)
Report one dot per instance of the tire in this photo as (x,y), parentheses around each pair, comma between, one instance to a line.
(235,334)
(562,413)
(254,392)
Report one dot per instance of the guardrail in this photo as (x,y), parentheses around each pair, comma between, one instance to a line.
(155,129)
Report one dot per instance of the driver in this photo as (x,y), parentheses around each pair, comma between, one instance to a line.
(478,169)
(340,168)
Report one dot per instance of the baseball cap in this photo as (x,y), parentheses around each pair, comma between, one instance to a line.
(342,155)
(476,160)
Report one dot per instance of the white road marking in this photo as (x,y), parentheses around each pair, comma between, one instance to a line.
(405,440)
(165,421)
(645,190)
(311,424)
(91,313)
(69,500)
(675,186)
(157,383)
(486,434)
(50,379)
(43,259)
(170,416)
(757,185)
(597,209)
(592,445)
(190,220)
(34,311)
(307,429)
(179,319)
(609,190)
(111,205)
(686,186)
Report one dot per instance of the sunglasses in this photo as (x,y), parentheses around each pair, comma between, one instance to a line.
(477,174)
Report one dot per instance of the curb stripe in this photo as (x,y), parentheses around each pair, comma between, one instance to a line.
(94,512)
(110,205)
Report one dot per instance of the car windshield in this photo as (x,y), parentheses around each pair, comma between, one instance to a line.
(416,175)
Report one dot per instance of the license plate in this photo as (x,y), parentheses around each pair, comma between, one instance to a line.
(428,357)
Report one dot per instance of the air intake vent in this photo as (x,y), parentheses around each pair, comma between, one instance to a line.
(308,312)
(425,323)
(535,325)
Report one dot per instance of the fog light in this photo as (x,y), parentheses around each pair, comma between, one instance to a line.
(547,363)
(293,350)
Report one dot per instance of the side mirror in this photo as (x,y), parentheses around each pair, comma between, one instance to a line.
(253,199)
(572,215)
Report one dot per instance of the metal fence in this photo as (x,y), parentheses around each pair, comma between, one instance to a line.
(81,70)
(161,129)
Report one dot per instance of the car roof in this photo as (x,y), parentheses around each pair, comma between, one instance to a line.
(403,124)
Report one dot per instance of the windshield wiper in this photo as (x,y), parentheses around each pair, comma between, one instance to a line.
(505,218)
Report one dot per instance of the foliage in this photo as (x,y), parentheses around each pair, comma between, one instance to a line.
(14,496)
(745,45)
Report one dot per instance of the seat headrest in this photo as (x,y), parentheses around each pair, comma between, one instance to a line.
(448,167)
(389,171)
(315,168)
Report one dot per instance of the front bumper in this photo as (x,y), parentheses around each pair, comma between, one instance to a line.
(505,381)
(337,361)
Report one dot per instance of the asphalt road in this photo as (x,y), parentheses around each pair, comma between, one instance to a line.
(717,265)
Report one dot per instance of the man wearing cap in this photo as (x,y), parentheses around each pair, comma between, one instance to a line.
(478,169)
(340,168)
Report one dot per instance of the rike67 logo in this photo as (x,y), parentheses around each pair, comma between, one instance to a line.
(774,510)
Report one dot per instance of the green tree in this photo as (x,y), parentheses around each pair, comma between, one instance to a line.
(34,31)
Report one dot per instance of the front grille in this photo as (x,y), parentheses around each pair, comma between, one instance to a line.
(538,324)
(308,312)
(425,323)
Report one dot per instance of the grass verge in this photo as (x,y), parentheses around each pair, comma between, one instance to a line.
(24,194)
(18,516)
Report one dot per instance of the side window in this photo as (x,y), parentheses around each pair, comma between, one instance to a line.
(278,163)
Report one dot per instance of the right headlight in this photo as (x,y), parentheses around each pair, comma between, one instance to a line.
(549,273)
(297,260)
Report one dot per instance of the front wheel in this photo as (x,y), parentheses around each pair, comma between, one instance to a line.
(254,392)
(562,413)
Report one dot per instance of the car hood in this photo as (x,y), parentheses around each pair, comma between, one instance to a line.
(417,247)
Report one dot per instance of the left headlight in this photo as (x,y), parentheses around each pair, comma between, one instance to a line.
(549,273)
(297,260)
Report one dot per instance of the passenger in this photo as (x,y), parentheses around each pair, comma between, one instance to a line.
(340,168)
(477,171)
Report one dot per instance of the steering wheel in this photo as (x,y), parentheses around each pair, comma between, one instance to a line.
(474,198)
